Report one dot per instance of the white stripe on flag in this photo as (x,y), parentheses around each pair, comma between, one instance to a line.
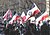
(43,16)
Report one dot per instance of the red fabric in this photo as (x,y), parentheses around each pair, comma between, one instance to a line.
(36,12)
(17,18)
(23,18)
(45,16)
(10,14)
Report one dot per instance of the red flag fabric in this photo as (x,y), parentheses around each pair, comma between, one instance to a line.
(43,16)
(14,18)
(10,14)
(23,16)
(7,15)
(34,11)
(17,18)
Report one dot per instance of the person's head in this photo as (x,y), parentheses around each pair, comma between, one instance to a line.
(39,22)
(13,27)
(48,21)
(14,12)
(44,22)
(29,21)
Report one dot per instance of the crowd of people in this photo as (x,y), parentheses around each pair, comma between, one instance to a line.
(27,29)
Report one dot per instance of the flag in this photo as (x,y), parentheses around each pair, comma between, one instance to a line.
(10,14)
(7,15)
(33,11)
(14,18)
(23,16)
(43,17)
(32,20)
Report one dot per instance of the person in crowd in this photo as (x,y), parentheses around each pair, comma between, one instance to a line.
(17,32)
(6,31)
(30,28)
(44,29)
